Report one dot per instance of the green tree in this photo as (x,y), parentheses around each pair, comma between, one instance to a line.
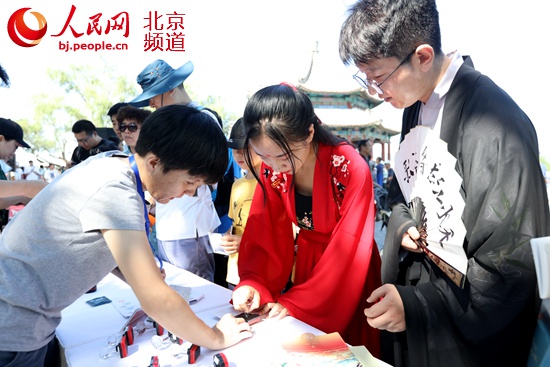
(81,92)
(87,92)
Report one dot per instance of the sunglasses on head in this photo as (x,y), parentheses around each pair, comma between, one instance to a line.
(132,127)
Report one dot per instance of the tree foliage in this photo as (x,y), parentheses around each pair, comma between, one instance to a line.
(86,92)
(82,92)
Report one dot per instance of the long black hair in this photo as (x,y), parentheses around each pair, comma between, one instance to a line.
(283,114)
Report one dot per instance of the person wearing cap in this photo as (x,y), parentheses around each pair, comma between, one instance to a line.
(242,193)
(89,142)
(9,189)
(11,138)
(182,225)
(65,241)
(163,86)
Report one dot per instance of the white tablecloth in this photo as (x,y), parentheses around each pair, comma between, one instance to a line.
(82,323)
(85,329)
(258,351)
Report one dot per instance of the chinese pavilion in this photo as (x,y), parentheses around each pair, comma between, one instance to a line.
(346,112)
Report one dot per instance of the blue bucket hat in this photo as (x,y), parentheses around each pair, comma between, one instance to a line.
(158,77)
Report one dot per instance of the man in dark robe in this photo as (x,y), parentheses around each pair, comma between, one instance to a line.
(432,321)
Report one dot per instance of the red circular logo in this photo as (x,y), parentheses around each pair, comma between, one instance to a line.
(21,34)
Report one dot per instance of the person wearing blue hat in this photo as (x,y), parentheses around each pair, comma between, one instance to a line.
(162,85)
(182,225)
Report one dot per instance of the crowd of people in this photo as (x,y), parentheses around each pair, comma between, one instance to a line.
(295,207)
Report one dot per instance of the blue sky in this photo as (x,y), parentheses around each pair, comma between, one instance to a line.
(242,45)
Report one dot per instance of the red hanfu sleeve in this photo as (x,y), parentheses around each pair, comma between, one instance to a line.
(266,253)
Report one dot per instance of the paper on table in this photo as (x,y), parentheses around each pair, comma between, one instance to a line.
(125,306)
(137,315)
(364,356)
(189,294)
(215,242)
(318,350)
(541,255)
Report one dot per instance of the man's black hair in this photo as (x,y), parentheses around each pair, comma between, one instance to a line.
(114,108)
(183,138)
(83,125)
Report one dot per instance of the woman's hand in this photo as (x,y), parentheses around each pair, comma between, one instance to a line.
(274,311)
(246,299)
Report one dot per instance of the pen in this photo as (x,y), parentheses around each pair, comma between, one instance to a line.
(195,300)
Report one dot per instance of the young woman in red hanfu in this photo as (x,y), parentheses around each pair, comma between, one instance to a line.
(319,183)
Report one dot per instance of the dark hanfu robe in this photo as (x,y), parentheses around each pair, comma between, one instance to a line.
(337,263)
(491,321)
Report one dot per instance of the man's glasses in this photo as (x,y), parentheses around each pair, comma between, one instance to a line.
(132,127)
(368,83)
(83,140)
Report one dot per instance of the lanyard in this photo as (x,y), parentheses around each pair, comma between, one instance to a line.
(145,214)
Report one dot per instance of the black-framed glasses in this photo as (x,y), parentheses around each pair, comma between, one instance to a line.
(132,127)
(84,140)
(369,83)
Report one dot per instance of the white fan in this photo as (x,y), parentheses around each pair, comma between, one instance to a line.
(430,184)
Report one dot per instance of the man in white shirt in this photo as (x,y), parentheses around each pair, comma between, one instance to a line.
(50,173)
(31,172)
(183,224)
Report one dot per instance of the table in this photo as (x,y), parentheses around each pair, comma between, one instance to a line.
(84,330)
(76,329)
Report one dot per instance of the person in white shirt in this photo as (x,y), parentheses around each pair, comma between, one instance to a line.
(31,172)
(50,173)
(183,224)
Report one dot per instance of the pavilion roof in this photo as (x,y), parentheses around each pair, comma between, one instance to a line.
(340,118)
(329,87)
